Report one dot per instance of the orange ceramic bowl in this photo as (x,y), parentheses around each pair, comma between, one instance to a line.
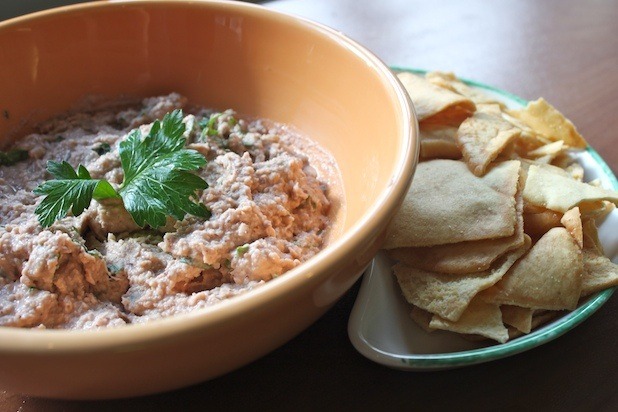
(220,55)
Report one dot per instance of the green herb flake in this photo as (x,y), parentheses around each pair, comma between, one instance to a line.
(13,156)
(194,263)
(114,269)
(241,250)
(209,126)
(102,148)
(59,138)
(94,253)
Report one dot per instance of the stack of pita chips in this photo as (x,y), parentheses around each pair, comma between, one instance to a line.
(498,231)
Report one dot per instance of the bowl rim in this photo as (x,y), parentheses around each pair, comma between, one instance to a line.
(18,340)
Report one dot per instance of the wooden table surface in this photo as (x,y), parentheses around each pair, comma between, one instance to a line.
(563,50)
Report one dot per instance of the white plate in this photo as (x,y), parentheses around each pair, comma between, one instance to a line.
(380,326)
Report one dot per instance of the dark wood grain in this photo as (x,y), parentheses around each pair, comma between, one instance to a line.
(563,50)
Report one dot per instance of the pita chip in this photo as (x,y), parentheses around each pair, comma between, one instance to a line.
(559,192)
(484,136)
(539,318)
(439,142)
(448,204)
(449,295)
(596,209)
(479,318)
(591,236)
(528,139)
(572,221)
(549,276)
(549,149)
(536,224)
(543,118)
(435,103)
(517,317)
(599,272)
(463,257)
(458,258)
(576,171)
(449,81)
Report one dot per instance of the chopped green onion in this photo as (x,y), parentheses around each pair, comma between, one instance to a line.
(241,250)
(12,156)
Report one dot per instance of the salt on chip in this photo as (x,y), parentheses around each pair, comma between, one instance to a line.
(446,204)
(479,318)
(546,120)
(449,295)
(549,276)
(483,136)
(435,103)
(558,192)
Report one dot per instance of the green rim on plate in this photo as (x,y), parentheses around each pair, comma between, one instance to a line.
(539,336)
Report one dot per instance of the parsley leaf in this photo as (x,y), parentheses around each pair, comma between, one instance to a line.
(157,179)
(71,189)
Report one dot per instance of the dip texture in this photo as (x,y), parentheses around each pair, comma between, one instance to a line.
(267,194)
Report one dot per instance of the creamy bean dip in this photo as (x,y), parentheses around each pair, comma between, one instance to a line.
(268,196)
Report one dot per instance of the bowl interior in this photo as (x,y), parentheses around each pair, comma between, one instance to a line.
(215,55)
